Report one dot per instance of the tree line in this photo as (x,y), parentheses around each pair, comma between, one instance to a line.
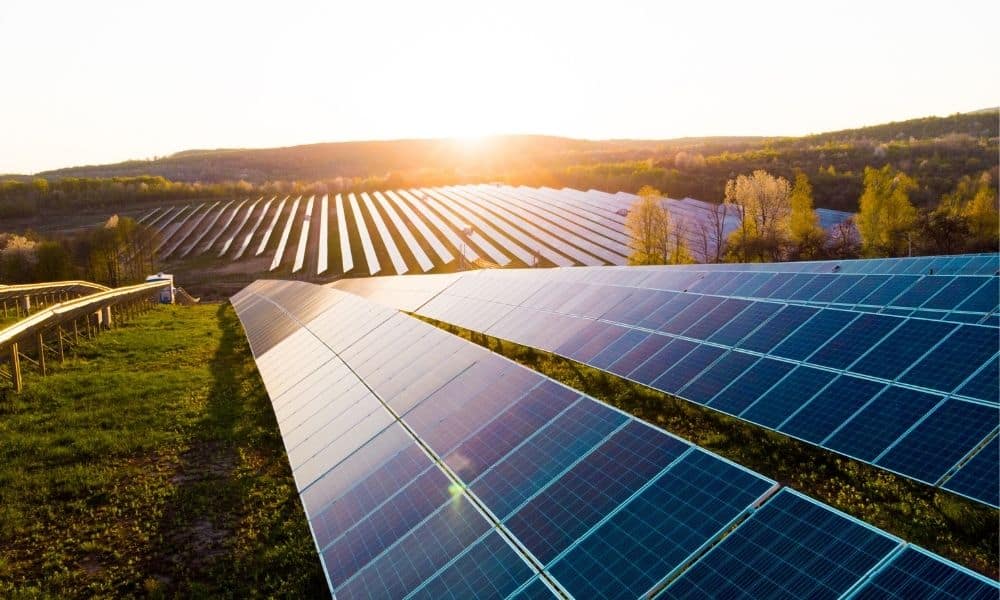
(121,252)
(777,222)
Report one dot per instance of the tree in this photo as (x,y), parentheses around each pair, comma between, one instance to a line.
(763,201)
(981,213)
(885,217)
(710,236)
(803,223)
(53,262)
(648,224)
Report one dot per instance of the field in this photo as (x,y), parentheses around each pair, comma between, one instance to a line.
(151,465)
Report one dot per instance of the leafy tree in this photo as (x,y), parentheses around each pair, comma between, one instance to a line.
(981,212)
(648,224)
(803,226)
(53,262)
(886,218)
(764,204)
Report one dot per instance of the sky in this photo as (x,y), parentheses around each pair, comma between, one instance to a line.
(100,81)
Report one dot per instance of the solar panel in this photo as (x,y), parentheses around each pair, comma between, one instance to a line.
(792,547)
(221,230)
(232,236)
(300,250)
(253,229)
(913,573)
(322,258)
(442,252)
(346,258)
(270,227)
(802,370)
(404,231)
(430,467)
(279,253)
(385,237)
(366,240)
(211,224)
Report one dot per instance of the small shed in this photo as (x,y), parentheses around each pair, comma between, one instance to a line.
(166,294)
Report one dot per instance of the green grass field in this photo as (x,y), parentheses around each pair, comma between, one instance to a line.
(151,465)
(950,525)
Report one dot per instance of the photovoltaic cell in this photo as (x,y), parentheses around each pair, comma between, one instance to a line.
(882,421)
(830,408)
(790,394)
(791,548)
(750,385)
(489,569)
(898,350)
(778,328)
(856,339)
(957,358)
(595,486)
(979,477)
(915,574)
(941,440)
(718,376)
(653,534)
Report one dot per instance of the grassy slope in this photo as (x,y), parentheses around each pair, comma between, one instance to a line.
(151,464)
(954,527)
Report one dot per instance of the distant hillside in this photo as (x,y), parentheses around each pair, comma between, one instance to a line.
(936,151)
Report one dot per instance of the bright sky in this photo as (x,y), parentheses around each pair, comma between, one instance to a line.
(97,81)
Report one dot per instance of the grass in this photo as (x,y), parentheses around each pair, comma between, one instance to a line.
(151,465)
(959,529)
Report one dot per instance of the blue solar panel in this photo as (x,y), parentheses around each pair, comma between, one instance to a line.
(954,293)
(862,289)
(914,574)
(778,328)
(979,478)
(642,352)
(814,287)
(789,395)
(750,385)
(922,290)
(790,548)
(496,438)
(430,467)
(941,440)
(593,488)
(955,360)
(544,455)
(813,333)
(489,569)
(718,376)
(888,291)
(687,368)
(881,422)
(840,284)
(985,299)
(418,555)
(985,384)
(856,339)
(747,321)
(617,349)
(899,349)
(691,314)
(654,533)
(664,359)
(719,317)
(830,408)
(536,590)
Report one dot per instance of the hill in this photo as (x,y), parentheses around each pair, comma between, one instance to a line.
(937,151)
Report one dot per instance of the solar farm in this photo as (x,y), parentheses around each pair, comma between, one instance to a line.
(426,230)
(429,466)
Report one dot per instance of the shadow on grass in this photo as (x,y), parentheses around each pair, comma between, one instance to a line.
(234,517)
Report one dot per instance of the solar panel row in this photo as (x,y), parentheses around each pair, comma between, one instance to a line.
(429,467)
(501,223)
(914,396)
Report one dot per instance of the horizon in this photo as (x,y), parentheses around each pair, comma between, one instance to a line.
(98,89)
